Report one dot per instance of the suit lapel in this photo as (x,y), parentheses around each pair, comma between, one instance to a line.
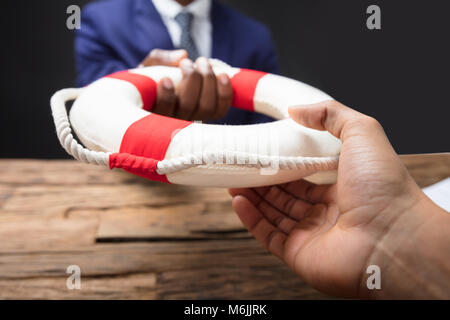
(151,31)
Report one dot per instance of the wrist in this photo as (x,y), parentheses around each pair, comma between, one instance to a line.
(413,254)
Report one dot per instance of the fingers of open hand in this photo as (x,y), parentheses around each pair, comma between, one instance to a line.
(308,192)
(275,202)
(277,218)
(270,237)
(272,214)
(275,198)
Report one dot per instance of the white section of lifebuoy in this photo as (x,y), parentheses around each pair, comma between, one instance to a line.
(101,115)
(279,140)
(290,93)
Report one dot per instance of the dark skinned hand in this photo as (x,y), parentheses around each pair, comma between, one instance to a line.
(200,95)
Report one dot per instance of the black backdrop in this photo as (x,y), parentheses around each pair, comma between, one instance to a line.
(398,74)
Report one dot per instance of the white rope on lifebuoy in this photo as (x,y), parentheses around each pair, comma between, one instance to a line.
(293,163)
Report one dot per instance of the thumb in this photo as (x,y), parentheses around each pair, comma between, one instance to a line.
(160,57)
(329,115)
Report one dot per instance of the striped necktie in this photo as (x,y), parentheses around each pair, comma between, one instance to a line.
(184,19)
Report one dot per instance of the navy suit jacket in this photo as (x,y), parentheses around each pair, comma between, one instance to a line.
(118,34)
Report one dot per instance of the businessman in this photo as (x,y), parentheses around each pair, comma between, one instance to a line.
(122,34)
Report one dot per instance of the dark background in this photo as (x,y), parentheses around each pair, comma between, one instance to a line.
(400,75)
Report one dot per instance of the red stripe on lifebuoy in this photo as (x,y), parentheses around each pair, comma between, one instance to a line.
(145,85)
(244,85)
(145,143)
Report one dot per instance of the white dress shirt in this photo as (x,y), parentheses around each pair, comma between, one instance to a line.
(201,29)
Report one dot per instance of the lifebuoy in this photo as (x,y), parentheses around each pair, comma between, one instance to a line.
(112,119)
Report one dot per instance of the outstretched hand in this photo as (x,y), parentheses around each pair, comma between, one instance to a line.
(329,234)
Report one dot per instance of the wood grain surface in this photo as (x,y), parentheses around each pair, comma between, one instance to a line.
(136,239)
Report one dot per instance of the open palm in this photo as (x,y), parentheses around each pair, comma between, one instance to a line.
(327,233)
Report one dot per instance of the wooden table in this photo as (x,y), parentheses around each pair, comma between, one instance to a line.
(135,239)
